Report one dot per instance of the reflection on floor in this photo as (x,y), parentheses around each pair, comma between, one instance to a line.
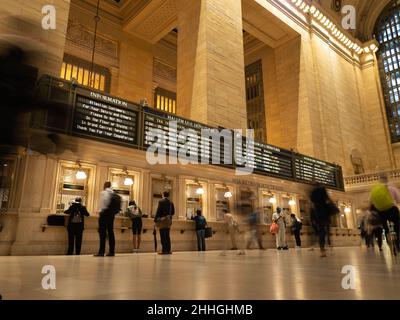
(258,275)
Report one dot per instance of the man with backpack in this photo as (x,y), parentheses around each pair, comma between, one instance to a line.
(110,205)
(201,225)
(384,198)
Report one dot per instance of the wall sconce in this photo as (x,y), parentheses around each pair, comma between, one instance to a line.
(227,194)
(292,202)
(272,200)
(128,181)
(200,189)
(80,174)
(347,210)
(167,183)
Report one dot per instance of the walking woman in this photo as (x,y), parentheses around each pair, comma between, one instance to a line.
(75,227)
(134,212)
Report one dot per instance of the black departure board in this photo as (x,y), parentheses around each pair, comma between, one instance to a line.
(99,116)
(199,146)
(267,159)
(104,117)
(309,169)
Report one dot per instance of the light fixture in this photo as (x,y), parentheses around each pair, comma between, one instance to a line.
(272,200)
(200,189)
(80,174)
(292,202)
(228,193)
(347,210)
(128,181)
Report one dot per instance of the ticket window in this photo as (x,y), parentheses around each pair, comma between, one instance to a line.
(73,182)
(123,183)
(304,209)
(223,198)
(268,203)
(6,176)
(286,208)
(158,187)
(194,199)
(247,202)
(342,219)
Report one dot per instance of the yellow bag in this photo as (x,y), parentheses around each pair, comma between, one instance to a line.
(381,197)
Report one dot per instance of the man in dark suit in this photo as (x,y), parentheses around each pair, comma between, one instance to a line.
(165,210)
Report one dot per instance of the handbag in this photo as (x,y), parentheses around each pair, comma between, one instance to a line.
(208,232)
(274,228)
(164,222)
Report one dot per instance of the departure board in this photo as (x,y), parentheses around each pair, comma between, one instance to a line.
(104,117)
(267,159)
(309,169)
(99,116)
(165,131)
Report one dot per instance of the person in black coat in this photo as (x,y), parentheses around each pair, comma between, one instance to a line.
(77,213)
(322,210)
(165,210)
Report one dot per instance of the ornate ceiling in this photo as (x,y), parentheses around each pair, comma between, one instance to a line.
(367,12)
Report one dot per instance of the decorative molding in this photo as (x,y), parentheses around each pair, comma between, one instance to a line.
(164,70)
(81,36)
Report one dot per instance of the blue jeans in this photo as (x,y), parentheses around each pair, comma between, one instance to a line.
(201,240)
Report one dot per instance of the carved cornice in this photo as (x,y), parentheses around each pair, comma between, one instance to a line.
(81,36)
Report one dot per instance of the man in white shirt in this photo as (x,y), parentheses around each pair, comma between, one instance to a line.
(279,218)
(106,222)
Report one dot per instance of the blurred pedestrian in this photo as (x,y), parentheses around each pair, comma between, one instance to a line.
(255,235)
(385,197)
(279,218)
(322,210)
(374,227)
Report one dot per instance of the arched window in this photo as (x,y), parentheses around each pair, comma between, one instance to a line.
(387,33)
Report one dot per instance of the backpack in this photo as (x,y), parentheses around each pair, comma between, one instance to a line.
(201,222)
(76,216)
(381,197)
(115,204)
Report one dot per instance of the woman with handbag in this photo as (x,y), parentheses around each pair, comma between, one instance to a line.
(163,221)
(135,214)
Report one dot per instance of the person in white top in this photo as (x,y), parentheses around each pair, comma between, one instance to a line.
(106,222)
(279,218)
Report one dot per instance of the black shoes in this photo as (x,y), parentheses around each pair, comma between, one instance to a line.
(110,254)
(98,255)
(102,255)
(283,248)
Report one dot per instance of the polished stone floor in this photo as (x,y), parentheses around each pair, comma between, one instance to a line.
(257,275)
